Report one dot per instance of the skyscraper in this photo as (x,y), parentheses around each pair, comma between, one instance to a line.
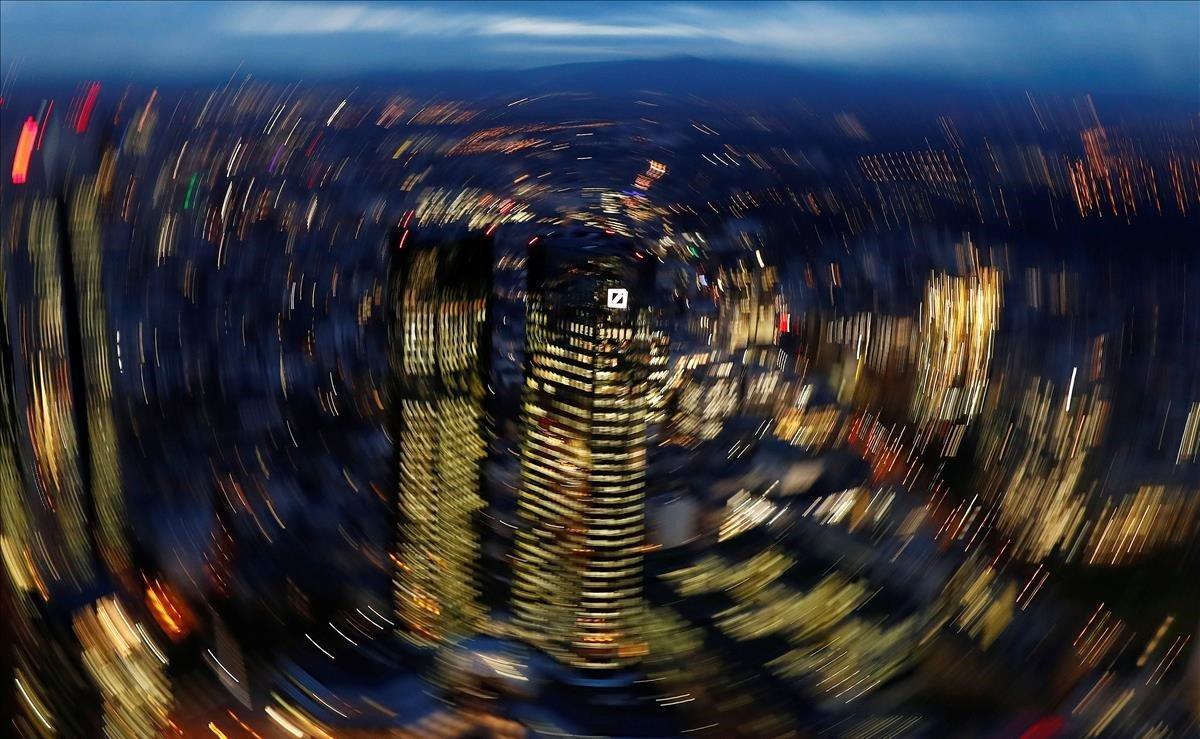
(578,572)
(958,321)
(78,677)
(62,384)
(440,352)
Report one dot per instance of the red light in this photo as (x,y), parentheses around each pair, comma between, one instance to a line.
(24,151)
(85,114)
(313,146)
(1047,728)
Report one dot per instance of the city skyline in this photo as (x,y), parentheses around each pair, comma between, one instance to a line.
(834,370)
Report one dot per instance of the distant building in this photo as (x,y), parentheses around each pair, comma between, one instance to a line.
(743,370)
(750,307)
(128,669)
(440,353)
(707,397)
(957,328)
(581,507)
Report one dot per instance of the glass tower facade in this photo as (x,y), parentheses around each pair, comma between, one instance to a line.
(63,544)
(577,574)
(440,352)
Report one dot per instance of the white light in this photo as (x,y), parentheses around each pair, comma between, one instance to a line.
(336,110)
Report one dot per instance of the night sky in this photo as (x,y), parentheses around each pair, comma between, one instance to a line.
(1131,47)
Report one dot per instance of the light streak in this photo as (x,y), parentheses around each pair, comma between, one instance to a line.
(223,667)
(150,644)
(336,110)
(377,613)
(85,113)
(32,705)
(318,646)
(43,124)
(286,725)
(191,191)
(343,635)
(20,168)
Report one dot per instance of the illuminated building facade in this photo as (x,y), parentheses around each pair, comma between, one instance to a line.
(63,540)
(660,375)
(43,389)
(752,314)
(750,308)
(61,374)
(959,316)
(578,572)
(743,371)
(703,402)
(440,353)
(104,471)
(127,667)
(1034,445)
(871,355)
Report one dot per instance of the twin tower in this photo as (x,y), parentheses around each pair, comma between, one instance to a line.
(576,557)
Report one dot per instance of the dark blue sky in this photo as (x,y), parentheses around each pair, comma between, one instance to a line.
(1127,46)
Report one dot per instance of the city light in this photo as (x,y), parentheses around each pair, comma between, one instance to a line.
(599,369)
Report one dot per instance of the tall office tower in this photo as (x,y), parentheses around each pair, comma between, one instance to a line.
(440,351)
(103,463)
(48,529)
(44,389)
(62,378)
(958,323)
(578,569)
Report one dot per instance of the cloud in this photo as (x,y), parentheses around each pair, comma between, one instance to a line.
(540,26)
(790,31)
(283,19)
(319,19)
(572,52)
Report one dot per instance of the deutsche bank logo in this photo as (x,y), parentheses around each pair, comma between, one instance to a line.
(618,297)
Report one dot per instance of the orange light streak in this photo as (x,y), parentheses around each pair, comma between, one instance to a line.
(20,168)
